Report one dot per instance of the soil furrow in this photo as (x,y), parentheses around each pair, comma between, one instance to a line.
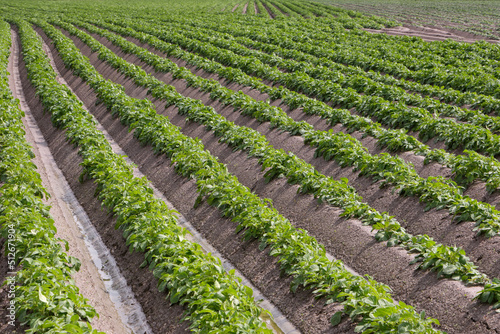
(431,169)
(269,12)
(433,143)
(161,316)
(477,190)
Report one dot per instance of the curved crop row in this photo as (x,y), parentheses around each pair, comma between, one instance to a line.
(302,11)
(251,7)
(466,168)
(325,70)
(275,12)
(300,255)
(341,13)
(285,9)
(148,225)
(281,37)
(279,43)
(45,297)
(346,150)
(261,10)
(328,31)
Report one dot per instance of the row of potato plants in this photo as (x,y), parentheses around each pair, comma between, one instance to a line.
(453,134)
(269,34)
(479,54)
(45,297)
(466,168)
(413,57)
(348,18)
(282,36)
(343,18)
(304,12)
(405,177)
(443,129)
(300,255)
(322,69)
(343,12)
(447,261)
(212,297)
(262,11)
(344,48)
(251,8)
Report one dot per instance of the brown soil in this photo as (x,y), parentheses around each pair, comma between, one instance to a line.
(476,191)
(234,8)
(245,8)
(432,169)
(256,8)
(87,279)
(282,12)
(347,240)
(412,27)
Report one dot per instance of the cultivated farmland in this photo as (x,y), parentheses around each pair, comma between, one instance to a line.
(262,166)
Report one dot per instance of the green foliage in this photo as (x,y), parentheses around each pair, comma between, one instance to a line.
(299,254)
(277,163)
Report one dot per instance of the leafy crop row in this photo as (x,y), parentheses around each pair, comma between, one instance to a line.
(214,299)
(374,22)
(287,10)
(251,8)
(300,255)
(309,10)
(371,54)
(274,11)
(260,64)
(447,261)
(45,297)
(466,168)
(262,10)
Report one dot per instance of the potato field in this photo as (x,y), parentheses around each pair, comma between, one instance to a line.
(249,166)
